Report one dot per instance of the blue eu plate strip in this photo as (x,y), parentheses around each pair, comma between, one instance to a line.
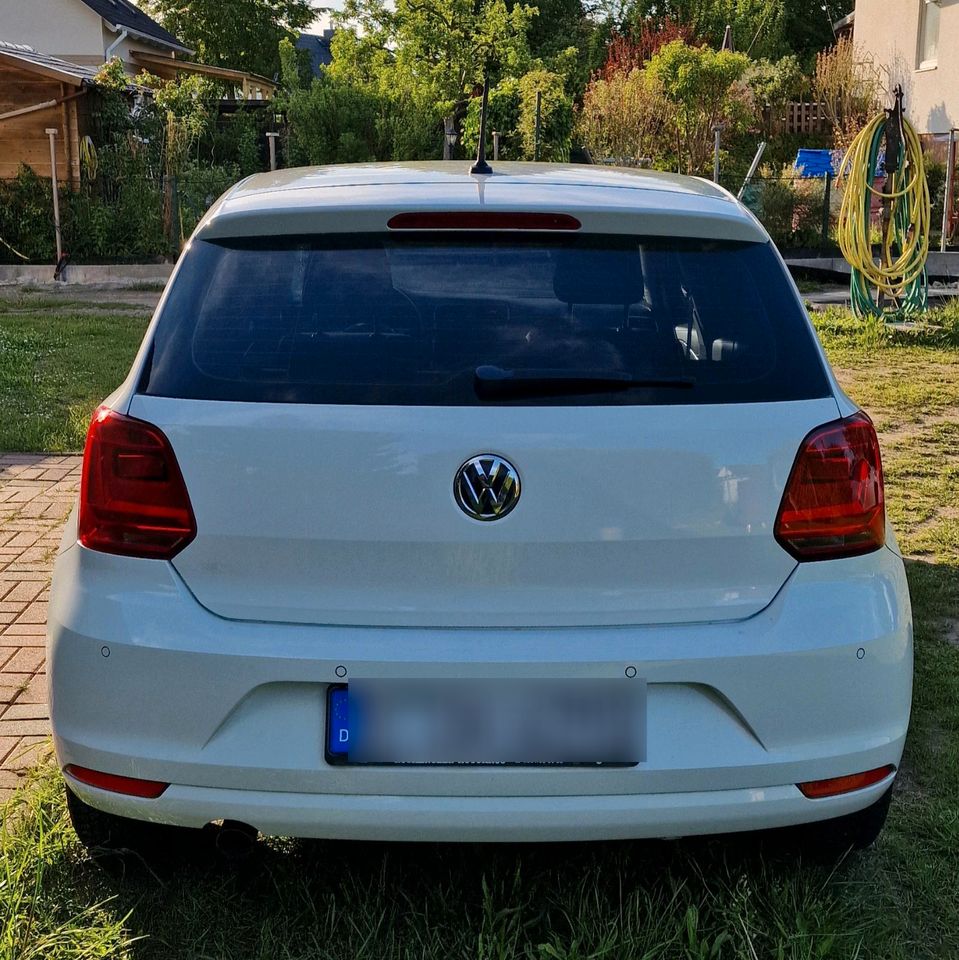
(338,727)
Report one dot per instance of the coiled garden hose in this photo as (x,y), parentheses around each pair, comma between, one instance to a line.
(899,277)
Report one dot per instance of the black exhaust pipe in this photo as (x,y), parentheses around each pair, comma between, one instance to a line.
(235,840)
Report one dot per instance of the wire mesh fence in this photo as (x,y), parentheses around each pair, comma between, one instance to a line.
(107,220)
(140,219)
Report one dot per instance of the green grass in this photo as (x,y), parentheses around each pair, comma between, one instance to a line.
(716,898)
(55,367)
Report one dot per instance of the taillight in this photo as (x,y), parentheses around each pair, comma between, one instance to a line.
(834,504)
(133,500)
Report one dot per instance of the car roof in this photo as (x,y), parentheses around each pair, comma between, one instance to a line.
(363,197)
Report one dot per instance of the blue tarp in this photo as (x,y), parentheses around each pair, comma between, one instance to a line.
(814,163)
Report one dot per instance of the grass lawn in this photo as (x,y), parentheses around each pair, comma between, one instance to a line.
(713,898)
(58,359)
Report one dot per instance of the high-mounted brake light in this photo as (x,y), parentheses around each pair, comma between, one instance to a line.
(834,505)
(482,220)
(133,500)
(834,786)
(130,786)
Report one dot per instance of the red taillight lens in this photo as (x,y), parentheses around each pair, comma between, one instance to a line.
(131,786)
(133,500)
(834,504)
(817,789)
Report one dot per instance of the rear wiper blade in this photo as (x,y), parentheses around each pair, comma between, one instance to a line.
(495,381)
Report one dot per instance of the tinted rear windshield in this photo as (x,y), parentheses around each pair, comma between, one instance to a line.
(477,320)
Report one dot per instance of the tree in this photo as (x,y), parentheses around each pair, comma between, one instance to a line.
(849,86)
(436,50)
(775,84)
(624,118)
(705,88)
(240,34)
(757,24)
(761,28)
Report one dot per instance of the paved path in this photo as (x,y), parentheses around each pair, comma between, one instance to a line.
(36,495)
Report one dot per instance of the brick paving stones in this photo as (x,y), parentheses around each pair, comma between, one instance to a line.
(37,493)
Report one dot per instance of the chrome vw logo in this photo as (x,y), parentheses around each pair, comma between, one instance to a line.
(486,487)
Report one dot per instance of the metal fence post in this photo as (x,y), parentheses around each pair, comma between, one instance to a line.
(717,146)
(171,189)
(52,134)
(826,203)
(496,144)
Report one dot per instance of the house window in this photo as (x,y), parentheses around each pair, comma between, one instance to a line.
(928,33)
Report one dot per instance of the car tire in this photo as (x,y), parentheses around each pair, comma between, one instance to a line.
(829,840)
(120,844)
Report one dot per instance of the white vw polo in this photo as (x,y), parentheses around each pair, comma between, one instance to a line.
(440,506)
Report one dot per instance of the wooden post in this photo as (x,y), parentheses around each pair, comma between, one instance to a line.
(949,195)
(52,134)
(272,139)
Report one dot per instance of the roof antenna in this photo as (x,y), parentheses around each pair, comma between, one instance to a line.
(481,166)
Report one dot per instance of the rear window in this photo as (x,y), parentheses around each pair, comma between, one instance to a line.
(431,319)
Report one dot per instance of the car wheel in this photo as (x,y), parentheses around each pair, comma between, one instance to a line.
(829,840)
(120,844)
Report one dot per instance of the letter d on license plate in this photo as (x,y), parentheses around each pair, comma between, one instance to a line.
(514,721)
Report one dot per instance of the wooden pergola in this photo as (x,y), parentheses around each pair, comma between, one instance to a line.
(253,87)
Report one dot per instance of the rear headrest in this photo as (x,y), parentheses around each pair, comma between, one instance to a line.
(598,276)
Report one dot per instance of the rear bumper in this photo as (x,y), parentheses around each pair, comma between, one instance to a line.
(146,683)
(478,819)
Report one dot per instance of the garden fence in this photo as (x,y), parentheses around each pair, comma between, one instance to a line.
(144,219)
(116,220)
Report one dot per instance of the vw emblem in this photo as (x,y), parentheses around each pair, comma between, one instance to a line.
(486,487)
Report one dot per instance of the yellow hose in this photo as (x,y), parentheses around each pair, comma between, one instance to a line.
(899,277)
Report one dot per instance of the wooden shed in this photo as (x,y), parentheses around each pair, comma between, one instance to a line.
(37,93)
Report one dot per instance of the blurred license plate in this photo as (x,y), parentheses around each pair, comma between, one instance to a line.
(515,721)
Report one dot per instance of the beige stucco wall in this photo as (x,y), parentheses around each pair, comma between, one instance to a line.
(61,28)
(888,30)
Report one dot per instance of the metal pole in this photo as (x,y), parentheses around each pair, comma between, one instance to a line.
(496,144)
(753,167)
(52,134)
(536,129)
(950,191)
(826,201)
(718,130)
(271,137)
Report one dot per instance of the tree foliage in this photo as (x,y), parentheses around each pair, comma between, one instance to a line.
(624,118)
(240,34)
(761,28)
(705,88)
(436,50)
(849,85)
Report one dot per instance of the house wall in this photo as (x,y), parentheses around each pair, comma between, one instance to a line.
(23,140)
(60,28)
(888,30)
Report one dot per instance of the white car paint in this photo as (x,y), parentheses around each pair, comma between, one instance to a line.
(337,552)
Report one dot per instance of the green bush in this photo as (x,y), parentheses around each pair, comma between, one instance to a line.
(503,116)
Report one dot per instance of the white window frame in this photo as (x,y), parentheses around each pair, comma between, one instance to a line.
(921,63)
